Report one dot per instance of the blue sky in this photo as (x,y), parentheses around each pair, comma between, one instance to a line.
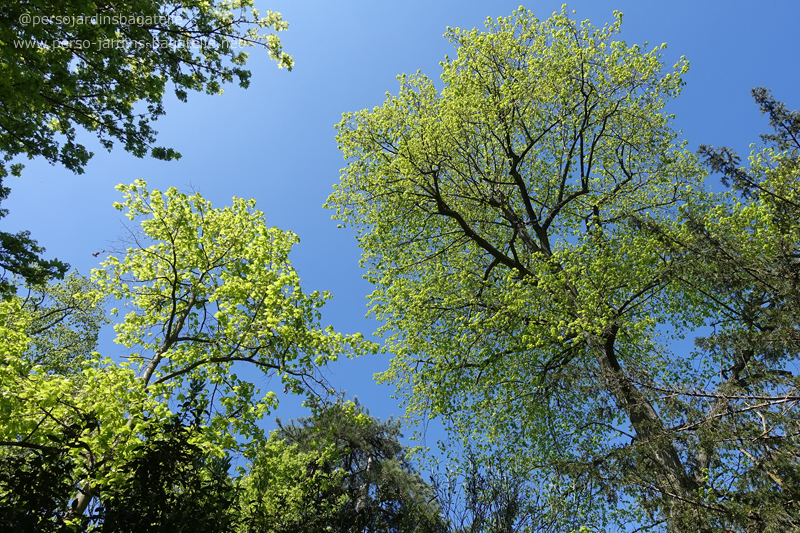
(275,141)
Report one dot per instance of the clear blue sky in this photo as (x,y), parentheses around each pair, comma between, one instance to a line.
(275,141)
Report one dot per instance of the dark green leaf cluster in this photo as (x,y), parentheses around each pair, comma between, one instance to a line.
(381,491)
(105,68)
(21,255)
(170,485)
(35,485)
(173,485)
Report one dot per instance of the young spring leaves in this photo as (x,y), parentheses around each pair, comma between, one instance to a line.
(205,293)
(205,288)
(81,415)
(498,222)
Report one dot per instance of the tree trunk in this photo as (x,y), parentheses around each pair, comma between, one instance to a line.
(677,487)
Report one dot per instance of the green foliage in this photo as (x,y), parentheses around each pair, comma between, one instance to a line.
(35,490)
(531,229)
(202,289)
(289,489)
(81,65)
(13,326)
(20,255)
(83,419)
(66,67)
(497,219)
(169,483)
(737,422)
(376,489)
(172,484)
(206,288)
(66,318)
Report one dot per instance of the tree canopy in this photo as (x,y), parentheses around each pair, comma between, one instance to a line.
(202,290)
(380,490)
(741,253)
(540,242)
(104,69)
(508,222)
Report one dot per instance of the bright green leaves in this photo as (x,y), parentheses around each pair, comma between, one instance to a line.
(42,398)
(498,220)
(85,415)
(495,216)
(204,289)
(66,318)
(287,486)
(208,298)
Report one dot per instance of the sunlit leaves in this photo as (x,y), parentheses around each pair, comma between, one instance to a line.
(207,299)
(497,218)
(205,288)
